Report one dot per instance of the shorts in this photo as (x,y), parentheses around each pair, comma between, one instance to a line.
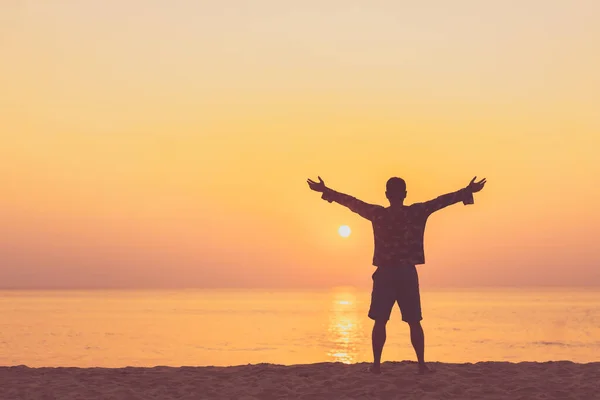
(396,284)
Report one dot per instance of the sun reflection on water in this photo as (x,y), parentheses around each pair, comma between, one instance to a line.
(345,328)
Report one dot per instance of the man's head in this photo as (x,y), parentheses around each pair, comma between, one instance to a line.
(395,190)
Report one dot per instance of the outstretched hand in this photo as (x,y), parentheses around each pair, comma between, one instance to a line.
(476,186)
(317,186)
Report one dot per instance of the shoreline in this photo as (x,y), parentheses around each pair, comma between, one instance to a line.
(391,363)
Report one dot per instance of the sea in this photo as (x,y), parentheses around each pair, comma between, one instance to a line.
(119,328)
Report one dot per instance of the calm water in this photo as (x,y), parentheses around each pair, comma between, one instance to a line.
(231,327)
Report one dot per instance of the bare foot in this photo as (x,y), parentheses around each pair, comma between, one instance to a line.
(374,369)
(424,369)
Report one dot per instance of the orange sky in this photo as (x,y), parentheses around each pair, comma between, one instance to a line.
(160,144)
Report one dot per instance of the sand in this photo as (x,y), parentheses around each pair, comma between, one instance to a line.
(485,380)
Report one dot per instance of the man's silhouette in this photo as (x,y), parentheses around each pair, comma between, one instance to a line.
(398,231)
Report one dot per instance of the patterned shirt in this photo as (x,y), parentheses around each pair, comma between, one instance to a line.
(398,230)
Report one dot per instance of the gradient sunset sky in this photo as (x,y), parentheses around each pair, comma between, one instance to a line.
(168,143)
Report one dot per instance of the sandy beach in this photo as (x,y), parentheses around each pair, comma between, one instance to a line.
(486,380)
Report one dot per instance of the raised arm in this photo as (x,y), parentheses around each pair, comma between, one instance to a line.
(363,209)
(465,195)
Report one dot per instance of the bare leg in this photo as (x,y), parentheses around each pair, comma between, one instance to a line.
(378,338)
(417,338)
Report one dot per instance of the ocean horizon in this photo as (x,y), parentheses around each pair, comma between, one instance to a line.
(225,327)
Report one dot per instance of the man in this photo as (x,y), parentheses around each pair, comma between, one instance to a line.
(398,231)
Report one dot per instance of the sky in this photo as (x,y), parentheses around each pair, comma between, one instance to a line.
(150,144)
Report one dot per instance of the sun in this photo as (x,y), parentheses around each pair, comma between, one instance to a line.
(344,231)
